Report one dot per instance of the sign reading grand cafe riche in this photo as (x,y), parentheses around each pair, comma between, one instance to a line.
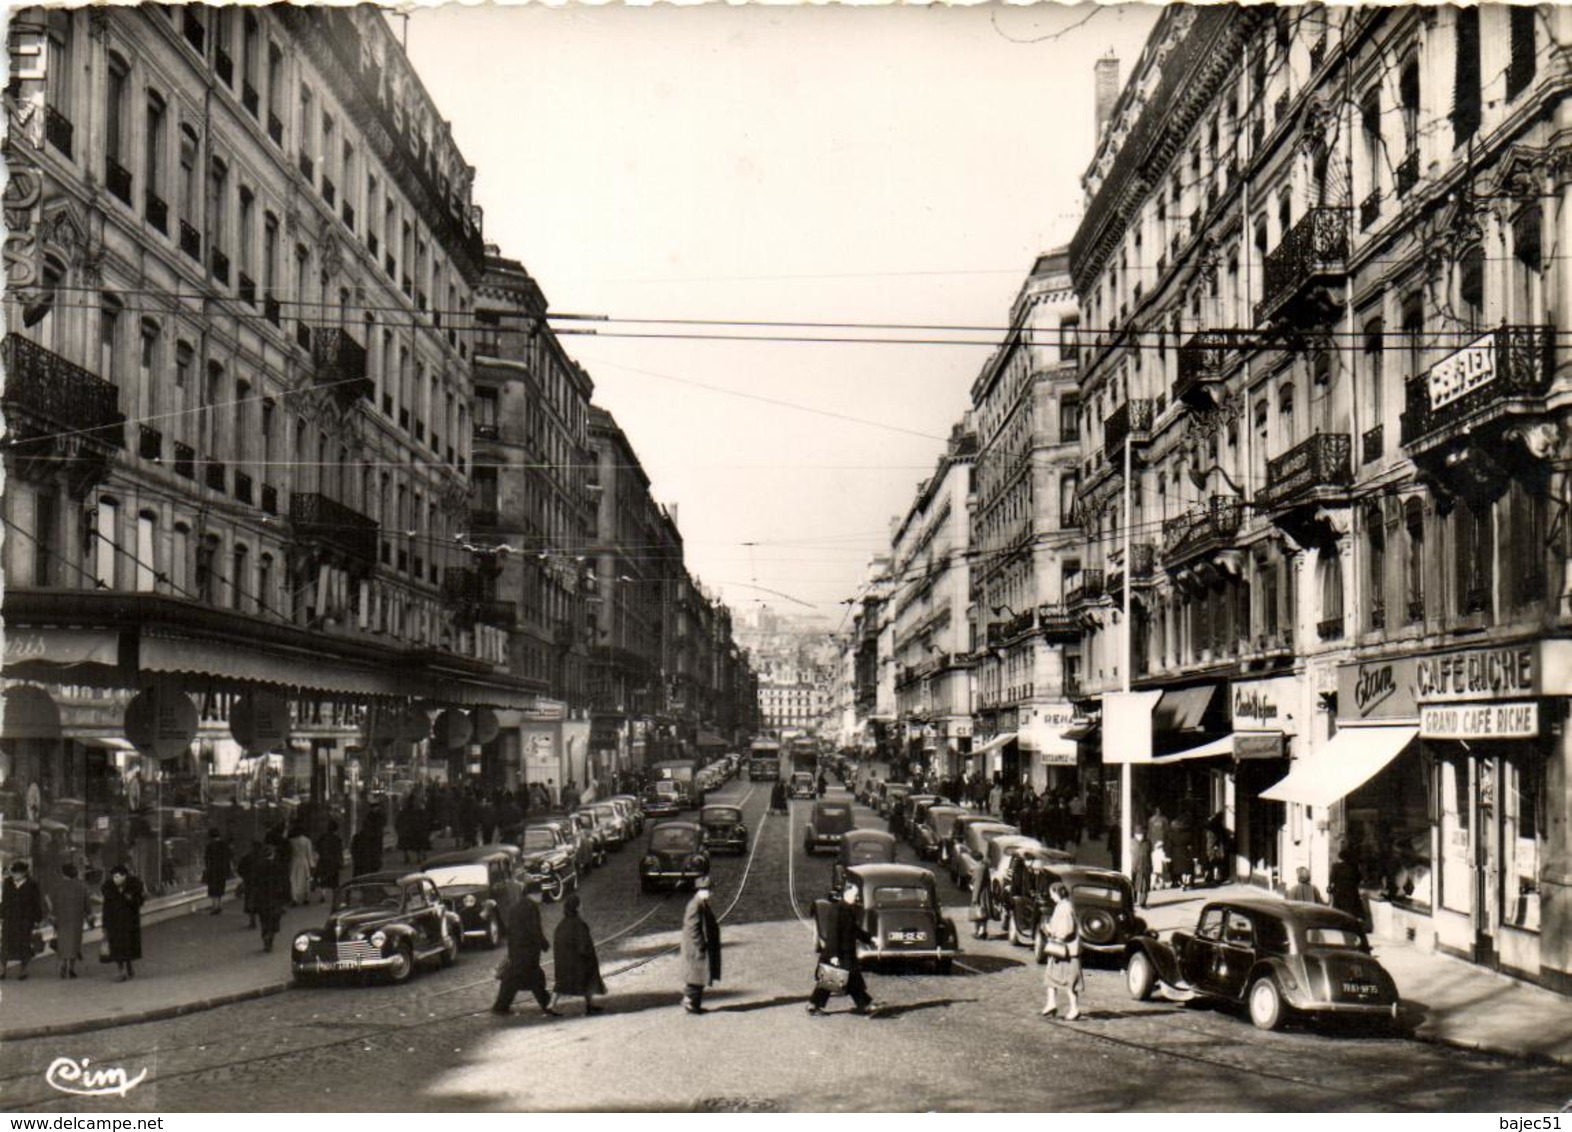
(1452,825)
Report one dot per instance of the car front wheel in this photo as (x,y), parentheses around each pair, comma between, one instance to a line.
(403,965)
(493,932)
(551,886)
(1266,1004)
(1140,976)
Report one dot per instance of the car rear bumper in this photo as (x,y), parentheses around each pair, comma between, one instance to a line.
(875,955)
(1353,1009)
(673,874)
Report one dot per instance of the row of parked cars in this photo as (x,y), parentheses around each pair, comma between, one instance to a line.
(392,922)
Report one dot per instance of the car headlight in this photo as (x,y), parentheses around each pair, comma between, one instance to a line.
(469,901)
(378,939)
(651,862)
(302,943)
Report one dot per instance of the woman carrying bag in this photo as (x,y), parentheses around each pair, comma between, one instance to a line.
(1063,945)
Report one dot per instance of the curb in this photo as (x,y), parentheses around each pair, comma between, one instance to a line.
(157,1014)
(1532,1057)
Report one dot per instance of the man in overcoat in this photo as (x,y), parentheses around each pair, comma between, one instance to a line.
(521,970)
(701,947)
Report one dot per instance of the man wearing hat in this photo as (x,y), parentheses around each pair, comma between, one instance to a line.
(21,911)
(521,970)
(701,947)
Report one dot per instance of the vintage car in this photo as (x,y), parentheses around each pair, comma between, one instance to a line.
(802,785)
(549,856)
(890,796)
(474,883)
(829,822)
(381,923)
(724,829)
(970,835)
(598,834)
(675,854)
(931,839)
(1105,912)
(1276,957)
(584,855)
(1004,849)
(860,847)
(662,798)
(611,818)
(901,914)
(632,812)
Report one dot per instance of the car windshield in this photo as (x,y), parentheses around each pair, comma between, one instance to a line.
(673,840)
(900,896)
(368,896)
(605,811)
(1335,937)
(723,817)
(446,876)
(535,839)
(942,823)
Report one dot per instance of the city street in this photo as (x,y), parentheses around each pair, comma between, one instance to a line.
(972,1040)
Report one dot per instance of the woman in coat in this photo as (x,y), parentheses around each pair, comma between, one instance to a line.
(123,895)
(981,910)
(1064,956)
(216,867)
(701,947)
(272,891)
(578,969)
(71,908)
(302,865)
(21,911)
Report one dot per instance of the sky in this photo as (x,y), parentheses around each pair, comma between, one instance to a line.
(852,164)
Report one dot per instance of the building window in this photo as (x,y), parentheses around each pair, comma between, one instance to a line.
(1528,261)
(1414,524)
(1408,95)
(106,529)
(1069,418)
(1520,71)
(147,374)
(153,160)
(206,558)
(1067,488)
(1523,542)
(1414,331)
(1473,556)
(188,175)
(115,109)
(1466,91)
(1375,393)
(265,584)
(109,340)
(180,560)
(1285,413)
(145,568)
(1471,286)
(46,537)
(1330,570)
(238,579)
(1375,562)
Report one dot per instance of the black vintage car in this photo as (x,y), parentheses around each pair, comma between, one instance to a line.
(548,854)
(970,835)
(474,883)
(724,829)
(1104,903)
(1277,957)
(860,847)
(381,923)
(828,824)
(901,913)
(931,839)
(675,854)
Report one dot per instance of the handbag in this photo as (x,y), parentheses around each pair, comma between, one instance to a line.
(831,978)
(1056,948)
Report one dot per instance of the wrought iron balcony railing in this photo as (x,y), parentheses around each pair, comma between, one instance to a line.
(341,364)
(117,179)
(1306,471)
(1408,174)
(58,130)
(47,394)
(1201,364)
(1087,587)
(1484,380)
(1314,248)
(1210,527)
(1133,419)
(157,211)
(321,519)
(1373,444)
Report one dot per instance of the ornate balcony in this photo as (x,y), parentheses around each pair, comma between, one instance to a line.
(58,130)
(1143,559)
(1297,275)
(1204,530)
(1502,375)
(1373,446)
(316,518)
(341,365)
(58,415)
(1201,369)
(1311,474)
(1087,589)
(1133,419)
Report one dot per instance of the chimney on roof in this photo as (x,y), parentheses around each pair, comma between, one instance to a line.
(1107,88)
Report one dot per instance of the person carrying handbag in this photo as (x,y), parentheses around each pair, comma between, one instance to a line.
(1063,945)
(839,970)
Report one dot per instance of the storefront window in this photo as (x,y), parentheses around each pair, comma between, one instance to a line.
(1389,823)
(1456,872)
(1522,839)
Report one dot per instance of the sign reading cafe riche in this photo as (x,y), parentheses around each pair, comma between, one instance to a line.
(1478,674)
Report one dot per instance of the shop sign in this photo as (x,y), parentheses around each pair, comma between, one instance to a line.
(161,722)
(484,722)
(1268,746)
(1481,721)
(259,721)
(1264,705)
(1463,372)
(546,711)
(1377,689)
(1478,674)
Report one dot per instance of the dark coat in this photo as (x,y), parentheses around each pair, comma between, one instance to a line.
(216,860)
(21,911)
(841,933)
(701,944)
(330,858)
(578,969)
(71,911)
(526,943)
(365,850)
(123,920)
(1344,883)
(271,889)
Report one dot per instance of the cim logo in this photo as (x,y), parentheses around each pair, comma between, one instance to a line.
(80,1079)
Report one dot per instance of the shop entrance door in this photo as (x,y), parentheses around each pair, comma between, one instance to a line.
(1487,858)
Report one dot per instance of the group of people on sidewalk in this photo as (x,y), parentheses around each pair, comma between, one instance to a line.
(577,965)
(24,911)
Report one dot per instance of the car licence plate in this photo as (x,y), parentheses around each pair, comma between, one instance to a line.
(906,937)
(1360,990)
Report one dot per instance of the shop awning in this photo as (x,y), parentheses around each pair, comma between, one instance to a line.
(1223,746)
(1080,730)
(1237,745)
(1181,709)
(993,744)
(1353,757)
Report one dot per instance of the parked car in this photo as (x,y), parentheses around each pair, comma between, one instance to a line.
(890,796)
(901,913)
(860,847)
(584,855)
(1002,850)
(662,798)
(802,785)
(549,855)
(473,883)
(381,923)
(1276,957)
(932,836)
(675,854)
(610,818)
(970,835)
(724,829)
(829,822)
(1105,912)
(591,827)
(631,810)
